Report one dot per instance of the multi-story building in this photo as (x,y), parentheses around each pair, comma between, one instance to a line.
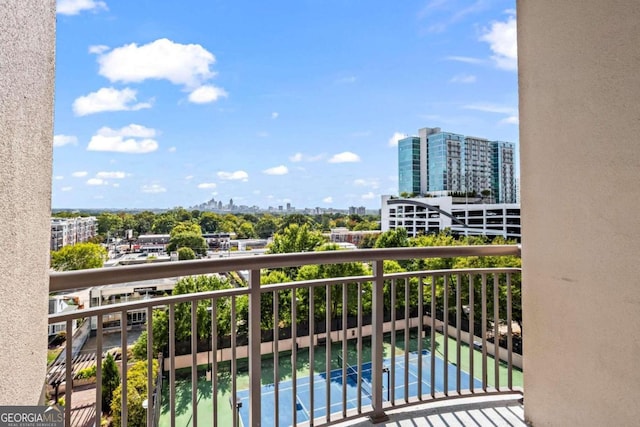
(439,163)
(69,231)
(460,215)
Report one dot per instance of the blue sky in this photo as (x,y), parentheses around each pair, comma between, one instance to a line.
(161,104)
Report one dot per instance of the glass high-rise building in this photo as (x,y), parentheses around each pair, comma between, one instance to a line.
(409,165)
(440,163)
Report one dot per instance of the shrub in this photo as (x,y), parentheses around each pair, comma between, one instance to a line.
(87,372)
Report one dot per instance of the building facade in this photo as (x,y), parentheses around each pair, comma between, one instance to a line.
(440,163)
(69,231)
(424,215)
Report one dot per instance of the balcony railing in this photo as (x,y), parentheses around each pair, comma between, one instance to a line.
(354,345)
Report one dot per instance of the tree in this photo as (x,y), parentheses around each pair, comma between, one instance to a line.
(136,394)
(110,381)
(186,253)
(266,226)
(209,222)
(246,231)
(196,242)
(296,238)
(393,239)
(185,227)
(109,223)
(78,257)
(163,223)
(143,222)
(298,219)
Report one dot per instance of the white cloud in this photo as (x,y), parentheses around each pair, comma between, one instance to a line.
(188,177)
(60,140)
(465,59)
(502,39)
(234,176)
(96,181)
(181,64)
(373,183)
(207,93)
(207,185)
(511,120)
(66,189)
(153,189)
(98,49)
(80,174)
(463,78)
(491,108)
(129,139)
(299,157)
(397,136)
(115,185)
(172,149)
(108,99)
(277,170)
(275,115)
(346,80)
(328,199)
(74,7)
(58,177)
(111,175)
(345,157)
(368,196)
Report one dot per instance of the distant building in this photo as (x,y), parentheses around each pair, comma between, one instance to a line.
(460,215)
(361,210)
(344,235)
(441,163)
(69,231)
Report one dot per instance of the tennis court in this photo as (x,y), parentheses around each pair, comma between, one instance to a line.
(335,383)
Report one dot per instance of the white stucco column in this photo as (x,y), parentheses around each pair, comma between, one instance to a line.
(579,69)
(27,58)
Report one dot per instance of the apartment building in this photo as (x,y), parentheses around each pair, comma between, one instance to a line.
(69,231)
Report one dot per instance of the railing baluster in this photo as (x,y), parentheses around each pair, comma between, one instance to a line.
(328,351)
(445,333)
(150,407)
(406,340)
(471,329)
(68,383)
(214,359)
(496,330)
(123,335)
(377,310)
(234,366)
(509,334)
(420,332)
(393,341)
(172,363)
(359,380)
(276,357)
(344,350)
(194,362)
(312,364)
(433,336)
(255,356)
(484,332)
(294,356)
(458,331)
(99,319)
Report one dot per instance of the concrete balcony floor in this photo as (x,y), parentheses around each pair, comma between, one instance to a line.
(494,411)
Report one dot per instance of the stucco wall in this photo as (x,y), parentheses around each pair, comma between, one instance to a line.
(579,65)
(27,45)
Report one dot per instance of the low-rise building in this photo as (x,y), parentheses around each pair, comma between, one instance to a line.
(69,231)
(462,216)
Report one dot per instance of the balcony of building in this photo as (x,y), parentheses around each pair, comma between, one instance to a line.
(377,347)
(578,91)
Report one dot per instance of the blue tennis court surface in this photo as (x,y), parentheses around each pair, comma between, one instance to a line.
(303,398)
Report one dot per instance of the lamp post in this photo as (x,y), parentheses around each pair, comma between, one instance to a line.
(208,374)
(385,370)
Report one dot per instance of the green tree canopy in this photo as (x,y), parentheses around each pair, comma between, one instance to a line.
(209,222)
(190,240)
(266,226)
(110,381)
(393,239)
(109,223)
(186,254)
(185,227)
(296,238)
(80,256)
(163,223)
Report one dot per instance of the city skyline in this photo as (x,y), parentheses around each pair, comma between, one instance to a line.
(158,106)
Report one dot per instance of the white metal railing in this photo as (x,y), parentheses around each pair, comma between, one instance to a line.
(432,304)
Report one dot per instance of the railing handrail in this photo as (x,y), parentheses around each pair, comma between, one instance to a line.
(73,280)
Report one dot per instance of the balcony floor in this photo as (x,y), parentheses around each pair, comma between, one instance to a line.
(495,411)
